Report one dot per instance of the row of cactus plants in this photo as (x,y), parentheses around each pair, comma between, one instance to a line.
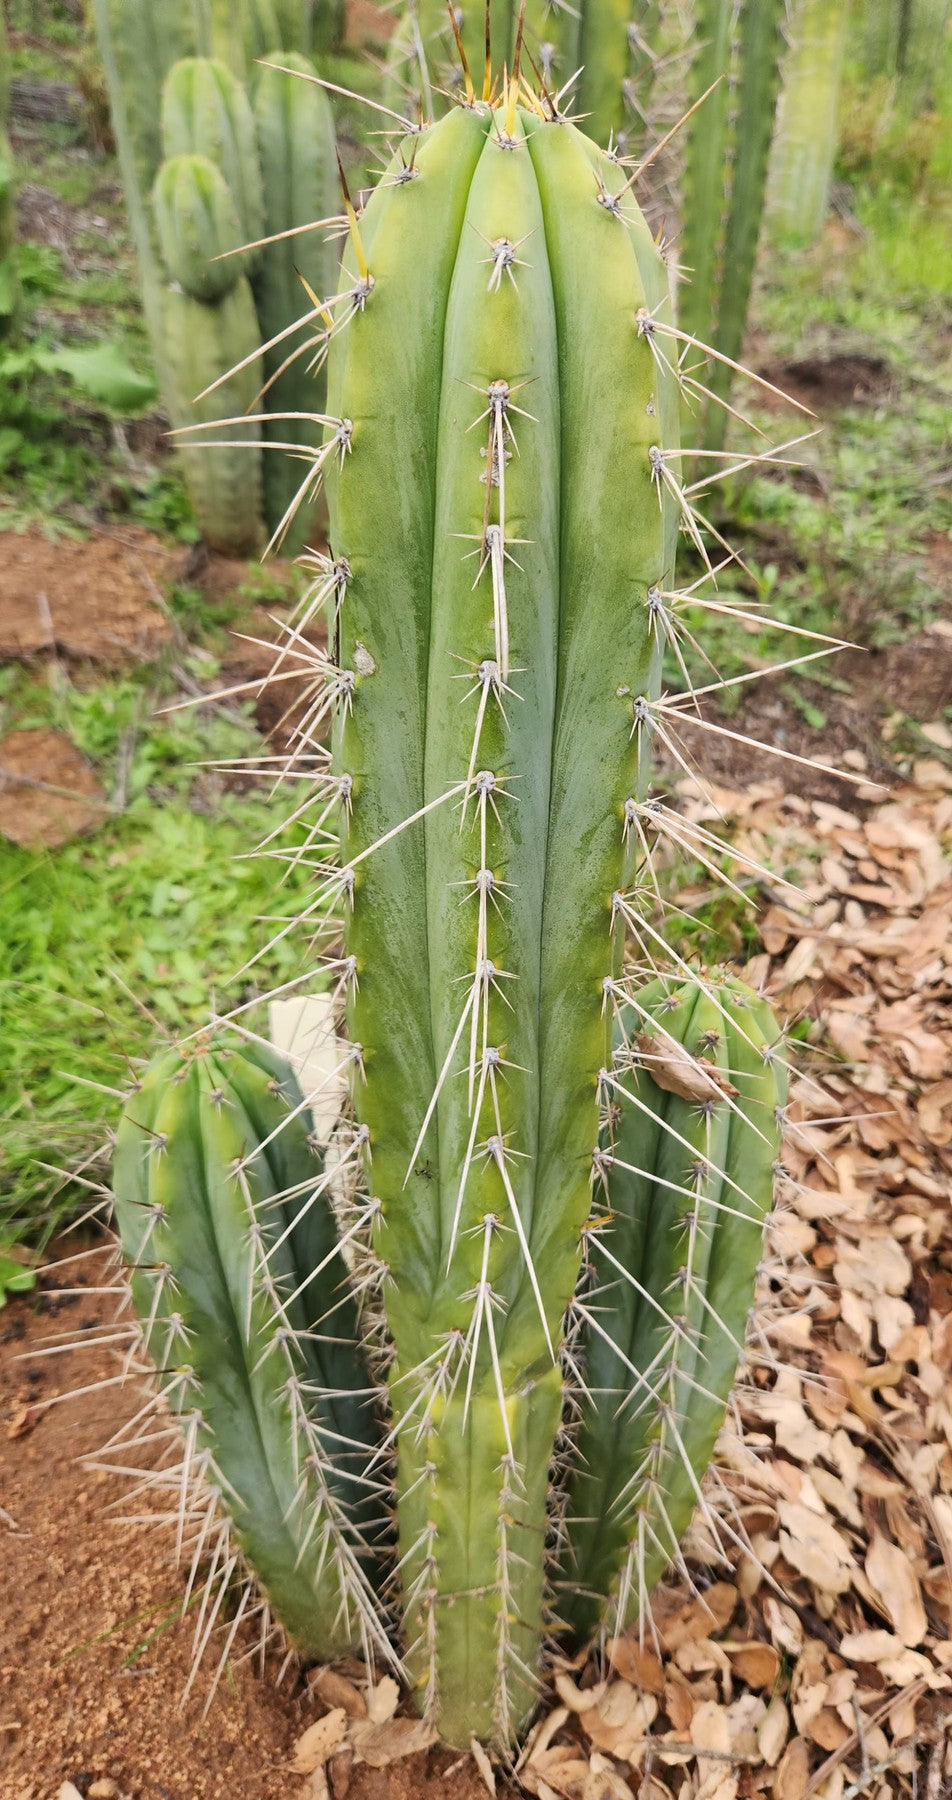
(217,154)
(507,1310)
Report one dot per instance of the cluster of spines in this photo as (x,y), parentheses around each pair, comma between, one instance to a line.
(608,62)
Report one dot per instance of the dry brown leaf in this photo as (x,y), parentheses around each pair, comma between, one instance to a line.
(560,1770)
(679,1705)
(382,1700)
(813,1546)
(319,1741)
(639,1666)
(674,1069)
(793,1771)
(698,1618)
(893,1577)
(621,1720)
(335,1690)
(604,1781)
(757,1664)
(786,1630)
(869,1646)
(774,1731)
(578,1700)
(379,1745)
(827,1729)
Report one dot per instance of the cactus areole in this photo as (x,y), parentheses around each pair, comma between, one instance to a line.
(494,494)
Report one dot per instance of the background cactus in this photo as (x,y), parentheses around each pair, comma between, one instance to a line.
(298,159)
(206,112)
(9,284)
(272,151)
(801,159)
(726,155)
(197,223)
(906,41)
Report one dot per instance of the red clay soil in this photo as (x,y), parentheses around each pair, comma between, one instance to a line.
(91,1672)
(48,792)
(95,599)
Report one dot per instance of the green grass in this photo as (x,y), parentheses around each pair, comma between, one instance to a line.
(162,904)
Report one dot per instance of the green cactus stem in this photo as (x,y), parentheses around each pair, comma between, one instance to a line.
(685,1183)
(197,223)
(206,112)
(9,279)
(801,160)
(222,1210)
(222,471)
(727,151)
(907,41)
(494,499)
(138,43)
(298,158)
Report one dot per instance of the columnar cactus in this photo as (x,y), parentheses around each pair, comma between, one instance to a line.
(801,160)
(907,41)
(138,43)
(297,153)
(207,201)
(482,935)
(727,151)
(222,1210)
(501,439)
(9,284)
(269,155)
(686,1177)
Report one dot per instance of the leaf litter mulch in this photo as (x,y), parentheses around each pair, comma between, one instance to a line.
(820,1664)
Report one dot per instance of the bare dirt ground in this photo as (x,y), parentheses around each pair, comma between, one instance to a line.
(93,1660)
